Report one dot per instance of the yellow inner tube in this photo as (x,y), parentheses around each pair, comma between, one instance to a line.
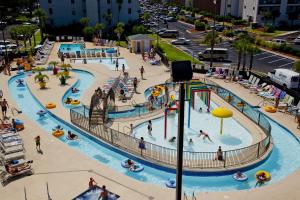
(267,174)
(58,133)
(155,93)
(50,105)
(75,102)
(68,102)
(270,109)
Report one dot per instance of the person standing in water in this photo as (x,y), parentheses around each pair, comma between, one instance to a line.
(149,127)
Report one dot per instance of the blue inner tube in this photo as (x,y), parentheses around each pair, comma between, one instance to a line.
(243,177)
(171,183)
(18,122)
(41,113)
(137,167)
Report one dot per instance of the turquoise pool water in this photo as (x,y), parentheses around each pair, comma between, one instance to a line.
(284,159)
(65,48)
(68,48)
(108,62)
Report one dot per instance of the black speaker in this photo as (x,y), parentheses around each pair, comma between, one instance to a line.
(181,71)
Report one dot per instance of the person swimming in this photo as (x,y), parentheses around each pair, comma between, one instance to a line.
(68,100)
(58,127)
(72,136)
(205,135)
(74,90)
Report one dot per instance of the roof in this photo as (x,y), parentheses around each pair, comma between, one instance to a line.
(287,72)
(139,37)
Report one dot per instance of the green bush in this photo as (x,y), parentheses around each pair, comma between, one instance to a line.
(228,33)
(238,22)
(269,28)
(139,29)
(199,26)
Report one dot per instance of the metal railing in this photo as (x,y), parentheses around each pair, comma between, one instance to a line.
(191,160)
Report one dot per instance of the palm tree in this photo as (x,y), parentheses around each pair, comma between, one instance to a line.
(119,2)
(32,30)
(41,79)
(98,29)
(108,17)
(146,16)
(242,45)
(42,16)
(119,30)
(296,68)
(211,39)
(252,49)
(84,21)
(14,34)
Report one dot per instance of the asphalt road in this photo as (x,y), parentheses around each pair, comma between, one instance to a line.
(263,61)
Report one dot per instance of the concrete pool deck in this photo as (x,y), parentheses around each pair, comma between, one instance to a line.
(68,173)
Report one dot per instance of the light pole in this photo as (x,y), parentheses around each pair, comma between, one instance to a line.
(2,27)
(213,35)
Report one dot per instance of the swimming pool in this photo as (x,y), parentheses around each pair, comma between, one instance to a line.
(234,136)
(72,48)
(281,162)
(110,63)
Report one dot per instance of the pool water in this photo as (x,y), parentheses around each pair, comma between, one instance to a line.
(110,63)
(234,136)
(283,161)
(66,48)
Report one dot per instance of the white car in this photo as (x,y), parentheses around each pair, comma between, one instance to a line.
(278,41)
(297,40)
(180,41)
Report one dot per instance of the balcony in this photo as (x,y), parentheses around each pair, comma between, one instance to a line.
(269,2)
(293,2)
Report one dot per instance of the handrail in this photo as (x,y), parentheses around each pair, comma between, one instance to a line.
(192,160)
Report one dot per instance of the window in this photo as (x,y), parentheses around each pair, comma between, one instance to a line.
(73,12)
(253,8)
(129,10)
(108,11)
(72,1)
(108,1)
(49,1)
(129,1)
(50,11)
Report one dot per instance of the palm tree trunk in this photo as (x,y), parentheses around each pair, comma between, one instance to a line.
(244,60)
(251,61)
(34,41)
(41,29)
(25,44)
(239,60)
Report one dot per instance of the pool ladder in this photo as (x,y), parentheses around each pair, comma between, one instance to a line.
(185,197)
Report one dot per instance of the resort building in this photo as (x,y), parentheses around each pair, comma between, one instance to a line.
(109,12)
(280,10)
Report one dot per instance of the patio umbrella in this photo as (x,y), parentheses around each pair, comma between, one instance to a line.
(222,112)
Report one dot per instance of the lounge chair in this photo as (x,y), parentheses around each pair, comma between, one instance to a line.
(286,103)
(294,110)
(258,88)
(13,149)
(16,171)
(12,156)
(244,81)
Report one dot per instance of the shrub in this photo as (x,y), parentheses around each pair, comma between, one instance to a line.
(199,26)
(228,33)
(269,28)
(238,22)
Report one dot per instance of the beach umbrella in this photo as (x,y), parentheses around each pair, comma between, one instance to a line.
(222,112)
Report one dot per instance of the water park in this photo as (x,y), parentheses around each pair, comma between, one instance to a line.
(101,115)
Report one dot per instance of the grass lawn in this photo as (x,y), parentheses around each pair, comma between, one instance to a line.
(173,53)
(123,44)
(38,40)
(261,33)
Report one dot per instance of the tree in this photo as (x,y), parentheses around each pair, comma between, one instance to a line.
(88,32)
(14,34)
(26,33)
(211,39)
(139,29)
(32,29)
(146,16)
(98,29)
(242,45)
(275,14)
(119,2)
(119,30)
(253,49)
(199,26)
(84,21)
(108,17)
(42,16)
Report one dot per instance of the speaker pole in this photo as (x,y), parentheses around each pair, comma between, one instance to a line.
(180,136)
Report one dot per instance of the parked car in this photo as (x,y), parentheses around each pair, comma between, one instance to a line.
(170,19)
(169,33)
(278,41)
(219,54)
(297,40)
(180,41)
(218,27)
(285,77)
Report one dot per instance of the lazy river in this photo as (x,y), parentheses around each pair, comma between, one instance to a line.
(283,160)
